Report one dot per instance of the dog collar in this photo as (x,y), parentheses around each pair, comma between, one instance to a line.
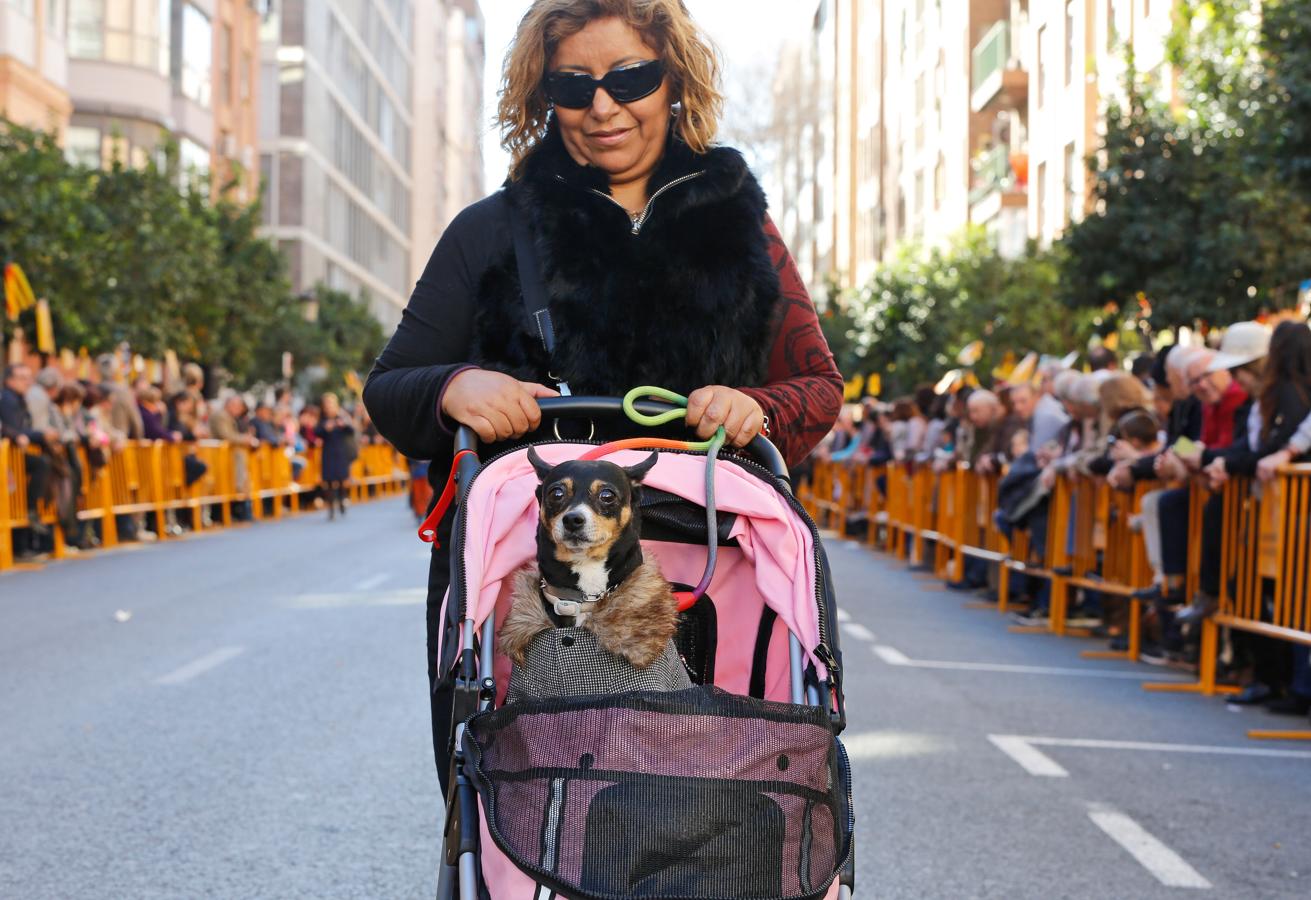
(568,602)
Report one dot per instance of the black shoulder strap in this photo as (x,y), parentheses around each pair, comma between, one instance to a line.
(531,282)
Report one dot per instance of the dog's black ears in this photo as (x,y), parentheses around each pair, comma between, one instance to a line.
(540,466)
(638,472)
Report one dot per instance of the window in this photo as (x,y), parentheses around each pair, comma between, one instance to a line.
(54,17)
(194,73)
(193,161)
(82,146)
(1042,200)
(1072,210)
(1069,44)
(243,77)
(225,64)
(135,33)
(1041,66)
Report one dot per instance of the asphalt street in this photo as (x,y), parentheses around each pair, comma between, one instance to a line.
(243,715)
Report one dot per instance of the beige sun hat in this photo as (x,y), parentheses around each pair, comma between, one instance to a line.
(1243,342)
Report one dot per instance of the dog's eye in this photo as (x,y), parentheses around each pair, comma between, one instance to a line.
(557,492)
(607,496)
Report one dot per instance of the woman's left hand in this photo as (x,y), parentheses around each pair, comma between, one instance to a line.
(713,406)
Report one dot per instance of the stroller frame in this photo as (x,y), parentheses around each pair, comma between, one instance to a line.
(475,685)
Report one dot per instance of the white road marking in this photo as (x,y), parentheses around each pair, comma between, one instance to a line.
(397,597)
(201,666)
(1166,866)
(844,616)
(894,657)
(1152,747)
(1031,759)
(858,631)
(373,581)
(891,655)
(892,744)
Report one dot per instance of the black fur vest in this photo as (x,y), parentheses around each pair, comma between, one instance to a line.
(686,301)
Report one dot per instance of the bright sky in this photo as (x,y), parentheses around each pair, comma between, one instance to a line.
(748,33)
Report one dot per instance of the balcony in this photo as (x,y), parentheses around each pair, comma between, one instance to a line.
(995,73)
(1001,181)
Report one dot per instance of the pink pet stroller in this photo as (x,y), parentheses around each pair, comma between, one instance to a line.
(737,788)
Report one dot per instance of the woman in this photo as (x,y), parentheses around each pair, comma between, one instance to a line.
(660,264)
(337,434)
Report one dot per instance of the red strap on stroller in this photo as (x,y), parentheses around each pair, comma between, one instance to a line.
(428,529)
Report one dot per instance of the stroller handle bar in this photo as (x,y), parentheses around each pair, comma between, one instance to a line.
(612,409)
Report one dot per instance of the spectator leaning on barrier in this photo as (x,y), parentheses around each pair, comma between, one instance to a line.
(67,422)
(124,416)
(40,396)
(16,426)
(1049,415)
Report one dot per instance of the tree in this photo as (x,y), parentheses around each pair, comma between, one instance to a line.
(141,255)
(344,336)
(908,324)
(1189,212)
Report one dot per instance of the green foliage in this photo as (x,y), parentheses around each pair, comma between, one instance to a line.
(1190,212)
(920,310)
(343,337)
(126,255)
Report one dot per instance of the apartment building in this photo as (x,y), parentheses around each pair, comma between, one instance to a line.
(34,63)
(143,72)
(367,120)
(448,119)
(946,113)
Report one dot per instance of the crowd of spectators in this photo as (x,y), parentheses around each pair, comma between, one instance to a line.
(1205,413)
(63,424)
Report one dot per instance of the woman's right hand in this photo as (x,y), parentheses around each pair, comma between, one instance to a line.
(496,406)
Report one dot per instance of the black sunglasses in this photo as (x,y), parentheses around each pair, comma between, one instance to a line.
(575,90)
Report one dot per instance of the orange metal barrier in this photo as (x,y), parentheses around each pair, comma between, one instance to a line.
(1090,544)
(148,479)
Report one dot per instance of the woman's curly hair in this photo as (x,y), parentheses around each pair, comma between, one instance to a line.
(690,60)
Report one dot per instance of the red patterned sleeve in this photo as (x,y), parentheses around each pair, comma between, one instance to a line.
(803,389)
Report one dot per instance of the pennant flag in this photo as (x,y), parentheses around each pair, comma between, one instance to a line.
(45,328)
(971,354)
(83,364)
(947,382)
(67,360)
(1003,371)
(1026,370)
(18,293)
(874,385)
(353,382)
(138,364)
(154,371)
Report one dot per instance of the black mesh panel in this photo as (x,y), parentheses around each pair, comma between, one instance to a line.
(688,794)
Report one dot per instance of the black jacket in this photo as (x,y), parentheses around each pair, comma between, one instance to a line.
(15,420)
(690,301)
(1290,407)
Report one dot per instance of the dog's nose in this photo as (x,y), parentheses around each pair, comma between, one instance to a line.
(574,521)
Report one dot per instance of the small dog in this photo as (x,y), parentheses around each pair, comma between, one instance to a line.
(590,572)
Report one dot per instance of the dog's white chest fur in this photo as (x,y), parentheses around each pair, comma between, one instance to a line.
(593,578)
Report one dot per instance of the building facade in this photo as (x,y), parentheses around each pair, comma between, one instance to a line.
(448,120)
(34,64)
(950,113)
(364,139)
(144,71)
